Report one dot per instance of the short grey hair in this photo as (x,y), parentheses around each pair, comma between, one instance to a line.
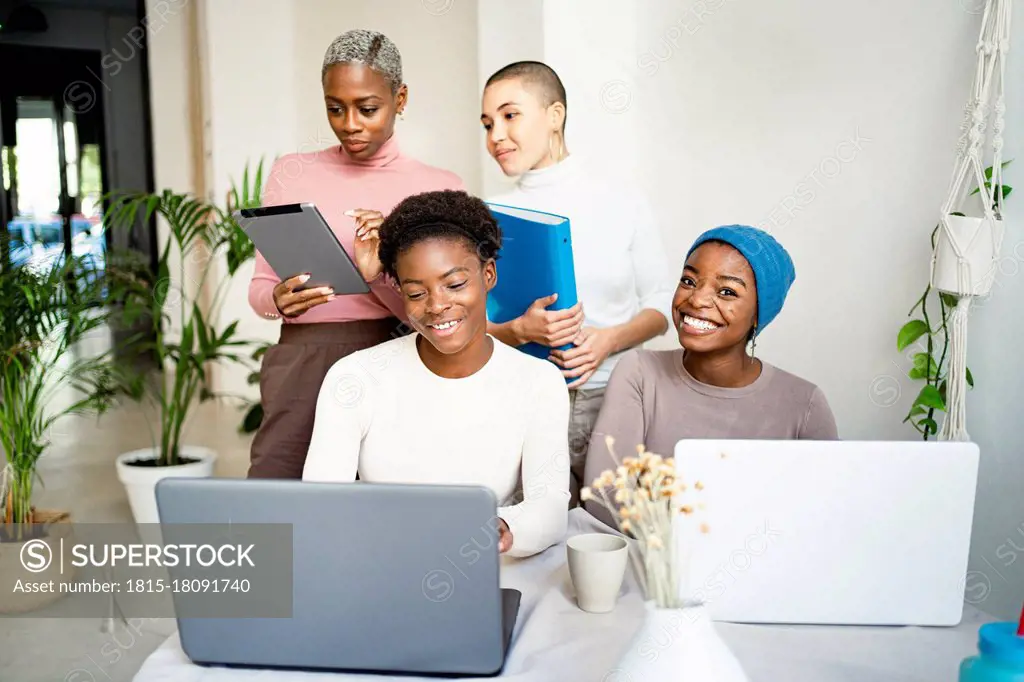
(372,48)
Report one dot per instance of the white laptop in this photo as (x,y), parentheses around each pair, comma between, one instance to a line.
(828,532)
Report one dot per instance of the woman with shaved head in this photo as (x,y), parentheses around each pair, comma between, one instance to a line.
(622,279)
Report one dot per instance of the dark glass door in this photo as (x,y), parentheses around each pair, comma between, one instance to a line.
(51,161)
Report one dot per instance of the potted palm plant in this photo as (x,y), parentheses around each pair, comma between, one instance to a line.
(181,334)
(47,310)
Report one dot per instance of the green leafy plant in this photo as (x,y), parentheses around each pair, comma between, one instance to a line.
(197,233)
(248,195)
(930,363)
(46,311)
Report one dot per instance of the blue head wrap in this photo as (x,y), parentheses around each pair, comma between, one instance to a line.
(772,266)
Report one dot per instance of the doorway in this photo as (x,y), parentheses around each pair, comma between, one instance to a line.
(52,157)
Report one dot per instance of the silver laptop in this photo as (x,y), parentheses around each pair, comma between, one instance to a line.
(828,532)
(387,578)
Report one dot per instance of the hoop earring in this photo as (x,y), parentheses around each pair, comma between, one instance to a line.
(561,149)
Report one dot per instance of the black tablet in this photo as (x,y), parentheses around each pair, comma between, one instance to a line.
(295,238)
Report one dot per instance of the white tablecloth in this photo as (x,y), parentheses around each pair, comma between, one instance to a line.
(555,641)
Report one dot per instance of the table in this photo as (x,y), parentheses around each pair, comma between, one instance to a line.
(554,641)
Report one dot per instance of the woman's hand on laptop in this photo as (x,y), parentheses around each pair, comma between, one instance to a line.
(368,223)
(504,537)
(291,303)
(549,327)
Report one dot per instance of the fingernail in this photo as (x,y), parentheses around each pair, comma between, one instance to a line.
(350,213)
(305,278)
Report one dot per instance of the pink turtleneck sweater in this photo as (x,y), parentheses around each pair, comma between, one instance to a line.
(337,183)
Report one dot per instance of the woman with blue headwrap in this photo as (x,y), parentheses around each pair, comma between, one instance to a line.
(733,284)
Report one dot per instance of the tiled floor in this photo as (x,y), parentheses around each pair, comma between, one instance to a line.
(78,475)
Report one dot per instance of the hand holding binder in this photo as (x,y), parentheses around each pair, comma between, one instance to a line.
(589,350)
(536,277)
(552,328)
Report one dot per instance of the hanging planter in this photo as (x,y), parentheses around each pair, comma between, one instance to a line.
(965,256)
(965,250)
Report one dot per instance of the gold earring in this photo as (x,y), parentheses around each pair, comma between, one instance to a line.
(561,149)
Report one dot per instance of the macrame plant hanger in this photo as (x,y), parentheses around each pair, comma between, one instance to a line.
(966,253)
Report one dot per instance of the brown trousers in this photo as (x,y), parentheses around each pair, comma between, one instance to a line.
(584,406)
(293,371)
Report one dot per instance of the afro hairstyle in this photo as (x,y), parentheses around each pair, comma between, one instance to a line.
(442,214)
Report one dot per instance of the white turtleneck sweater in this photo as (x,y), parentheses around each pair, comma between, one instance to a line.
(618,255)
(383,413)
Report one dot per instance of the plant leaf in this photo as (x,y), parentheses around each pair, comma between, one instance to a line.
(988,171)
(252,420)
(916,410)
(925,367)
(910,332)
(970,379)
(930,397)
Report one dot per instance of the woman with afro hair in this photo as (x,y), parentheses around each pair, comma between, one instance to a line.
(449,404)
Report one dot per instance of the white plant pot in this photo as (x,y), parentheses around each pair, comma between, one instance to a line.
(677,644)
(140,481)
(979,240)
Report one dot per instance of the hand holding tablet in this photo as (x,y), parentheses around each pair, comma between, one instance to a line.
(292,303)
(301,248)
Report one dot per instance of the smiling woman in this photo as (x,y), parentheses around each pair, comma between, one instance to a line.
(733,284)
(449,404)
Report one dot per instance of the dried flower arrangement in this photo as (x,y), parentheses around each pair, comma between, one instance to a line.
(645,498)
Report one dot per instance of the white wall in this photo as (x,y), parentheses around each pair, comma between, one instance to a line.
(592,52)
(170,104)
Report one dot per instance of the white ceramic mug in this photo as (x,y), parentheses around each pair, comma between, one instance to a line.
(597,565)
